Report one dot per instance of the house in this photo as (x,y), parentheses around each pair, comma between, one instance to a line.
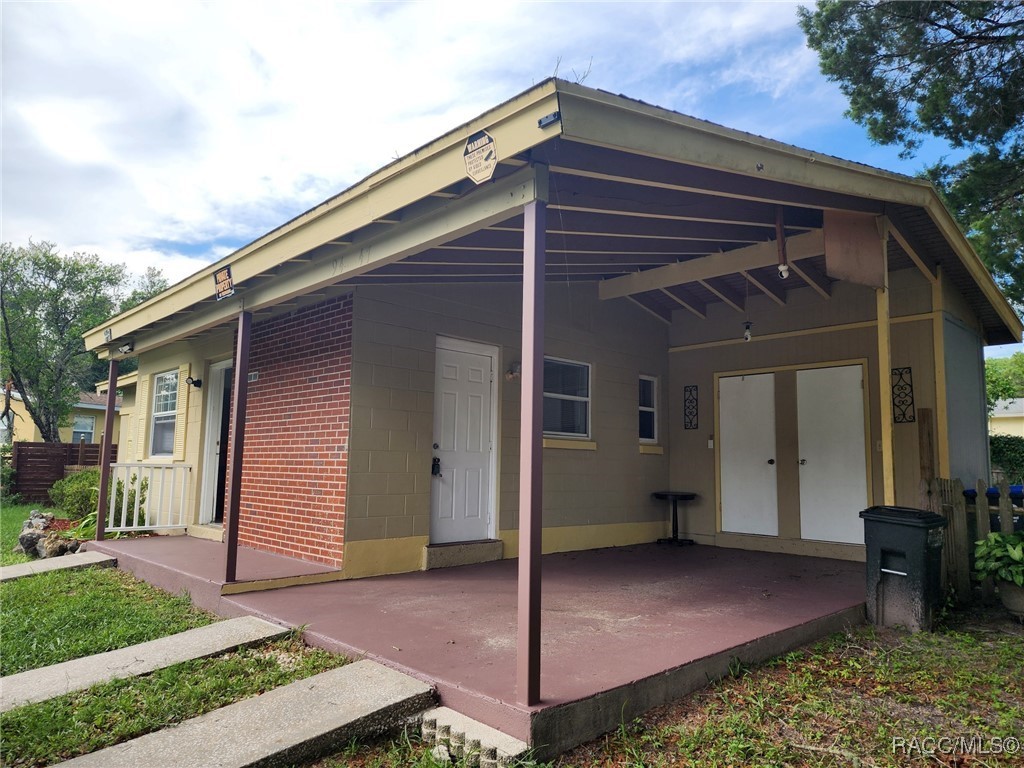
(652,301)
(85,425)
(1007,417)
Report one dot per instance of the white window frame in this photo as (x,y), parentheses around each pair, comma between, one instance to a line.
(91,432)
(163,415)
(645,409)
(574,398)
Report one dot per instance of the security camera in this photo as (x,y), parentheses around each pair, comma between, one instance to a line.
(783,271)
(746,331)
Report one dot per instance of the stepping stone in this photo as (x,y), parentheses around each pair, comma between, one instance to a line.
(296,722)
(77,675)
(77,560)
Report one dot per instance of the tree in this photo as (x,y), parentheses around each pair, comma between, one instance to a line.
(954,70)
(47,301)
(1004,378)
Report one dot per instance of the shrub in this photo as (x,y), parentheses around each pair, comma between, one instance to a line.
(7,493)
(1008,455)
(77,494)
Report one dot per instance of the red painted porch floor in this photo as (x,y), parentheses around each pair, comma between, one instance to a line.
(623,629)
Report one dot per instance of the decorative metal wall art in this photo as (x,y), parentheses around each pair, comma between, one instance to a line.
(690,406)
(903,396)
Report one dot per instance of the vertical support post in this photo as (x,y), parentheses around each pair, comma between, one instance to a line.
(939,352)
(885,371)
(108,438)
(236,444)
(531,464)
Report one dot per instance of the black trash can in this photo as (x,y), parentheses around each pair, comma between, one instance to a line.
(904,568)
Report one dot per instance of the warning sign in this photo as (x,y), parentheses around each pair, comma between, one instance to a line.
(224,285)
(481,157)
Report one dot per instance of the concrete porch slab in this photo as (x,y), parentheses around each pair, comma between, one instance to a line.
(179,564)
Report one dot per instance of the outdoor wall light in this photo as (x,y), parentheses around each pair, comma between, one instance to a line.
(514,371)
(127,347)
(197,383)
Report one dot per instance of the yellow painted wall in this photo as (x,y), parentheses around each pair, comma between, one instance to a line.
(395,331)
(25,430)
(693,462)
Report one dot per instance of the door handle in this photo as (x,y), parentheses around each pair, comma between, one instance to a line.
(771,461)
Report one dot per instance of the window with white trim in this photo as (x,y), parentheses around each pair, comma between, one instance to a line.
(566,398)
(83,428)
(165,408)
(648,408)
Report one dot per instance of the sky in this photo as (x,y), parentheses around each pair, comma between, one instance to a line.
(171,134)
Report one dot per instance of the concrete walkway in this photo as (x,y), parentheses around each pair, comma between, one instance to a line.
(296,722)
(77,560)
(76,675)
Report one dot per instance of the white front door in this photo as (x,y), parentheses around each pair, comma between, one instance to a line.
(218,414)
(833,463)
(462,494)
(746,407)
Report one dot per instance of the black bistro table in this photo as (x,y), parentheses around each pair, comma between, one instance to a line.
(675,497)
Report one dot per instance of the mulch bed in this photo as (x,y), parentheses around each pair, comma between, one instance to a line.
(61,524)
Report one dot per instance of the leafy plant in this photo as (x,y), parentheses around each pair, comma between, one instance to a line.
(1008,455)
(7,475)
(1001,556)
(77,495)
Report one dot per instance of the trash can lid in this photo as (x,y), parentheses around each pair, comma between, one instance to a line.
(908,516)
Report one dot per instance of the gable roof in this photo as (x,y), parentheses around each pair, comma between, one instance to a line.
(630,187)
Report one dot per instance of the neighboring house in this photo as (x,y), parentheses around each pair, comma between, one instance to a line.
(86,421)
(382,336)
(1007,418)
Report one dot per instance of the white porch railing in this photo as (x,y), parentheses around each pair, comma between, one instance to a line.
(148,497)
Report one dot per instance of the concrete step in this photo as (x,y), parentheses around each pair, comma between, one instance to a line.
(296,722)
(465,738)
(77,560)
(76,675)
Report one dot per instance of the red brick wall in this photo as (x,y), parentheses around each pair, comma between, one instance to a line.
(295,467)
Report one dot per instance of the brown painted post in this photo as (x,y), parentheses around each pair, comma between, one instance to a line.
(108,438)
(531,465)
(236,442)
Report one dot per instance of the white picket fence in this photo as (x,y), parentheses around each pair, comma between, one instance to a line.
(148,497)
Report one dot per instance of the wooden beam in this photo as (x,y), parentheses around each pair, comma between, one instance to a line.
(751,257)
(725,293)
(687,301)
(108,440)
(651,311)
(814,277)
(236,445)
(902,235)
(941,392)
(773,291)
(884,387)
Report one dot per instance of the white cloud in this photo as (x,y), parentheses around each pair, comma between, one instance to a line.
(169,133)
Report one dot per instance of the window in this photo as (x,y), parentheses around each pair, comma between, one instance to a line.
(648,405)
(165,407)
(566,398)
(83,428)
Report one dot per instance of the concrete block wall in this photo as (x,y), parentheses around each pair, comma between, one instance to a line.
(295,467)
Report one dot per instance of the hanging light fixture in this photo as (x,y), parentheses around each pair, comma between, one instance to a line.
(747,335)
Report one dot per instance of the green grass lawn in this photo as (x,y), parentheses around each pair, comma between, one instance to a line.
(844,701)
(62,728)
(11,518)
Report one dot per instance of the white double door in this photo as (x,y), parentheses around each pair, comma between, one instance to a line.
(462,492)
(831,463)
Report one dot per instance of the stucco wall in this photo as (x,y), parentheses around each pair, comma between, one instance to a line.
(393,403)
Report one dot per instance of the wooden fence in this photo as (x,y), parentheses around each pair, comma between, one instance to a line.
(37,466)
(970,517)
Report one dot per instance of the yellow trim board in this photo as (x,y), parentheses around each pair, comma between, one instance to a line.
(377,557)
(264,585)
(805,547)
(570,445)
(652,450)
(572,538)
